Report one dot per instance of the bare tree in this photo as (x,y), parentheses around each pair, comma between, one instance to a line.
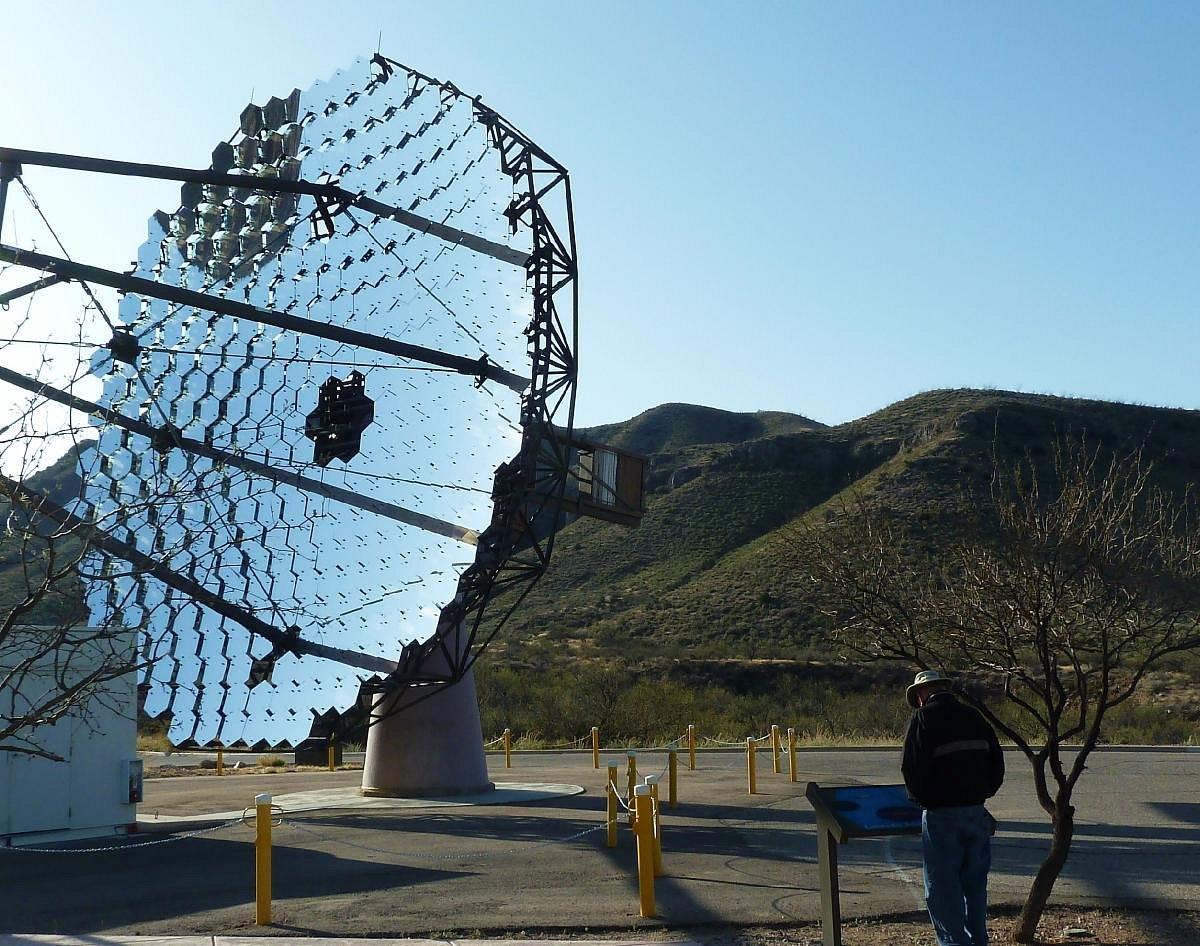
(1066,585)
(53,560)
(52,664)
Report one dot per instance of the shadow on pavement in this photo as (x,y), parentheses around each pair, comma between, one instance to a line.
(67,892)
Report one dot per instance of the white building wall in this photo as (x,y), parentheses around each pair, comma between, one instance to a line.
(88,794)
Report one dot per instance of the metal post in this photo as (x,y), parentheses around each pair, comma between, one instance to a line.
(595,747)
(791,755)
(508,748)
(8,171)
(330,755)
(652,781)
(611,791)
(220,761)
(631,775)
(831,903)
(643,826)
(691,747)
(262,859)
(750,750)
(775,767)
(672,779)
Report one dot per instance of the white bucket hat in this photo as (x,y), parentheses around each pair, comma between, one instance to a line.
(924,679)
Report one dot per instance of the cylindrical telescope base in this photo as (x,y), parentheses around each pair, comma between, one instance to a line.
(431,748)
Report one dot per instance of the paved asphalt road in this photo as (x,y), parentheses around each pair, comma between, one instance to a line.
(728,858)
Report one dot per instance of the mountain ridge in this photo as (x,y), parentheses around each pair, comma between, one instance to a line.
(707,574)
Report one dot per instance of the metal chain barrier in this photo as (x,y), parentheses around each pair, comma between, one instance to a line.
(250,815)
(125,847)
(667,747)
(417,855)
(740,743)
(617,792)
(580,743)
(576,744)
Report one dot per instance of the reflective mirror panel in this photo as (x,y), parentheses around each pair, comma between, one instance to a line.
(400,435)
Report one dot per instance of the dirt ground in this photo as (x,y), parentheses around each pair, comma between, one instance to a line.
(1087,927)
(1059,926)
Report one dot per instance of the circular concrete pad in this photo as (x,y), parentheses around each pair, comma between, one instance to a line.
(350,797)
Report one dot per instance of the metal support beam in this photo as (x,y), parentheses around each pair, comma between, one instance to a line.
(172,438)
(443,232)
(66,269)
(96,537)
(327,192)
(7,297)
(9,169)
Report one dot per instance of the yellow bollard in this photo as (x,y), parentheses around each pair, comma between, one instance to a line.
(791,754)
(750,750)
(330,756)
(611,791)
(220,761)
(775,766)
(631,775)
(508,748)
(691,747)
(644,827)
(672,779)
(262,859)
(652,781)
(595,747)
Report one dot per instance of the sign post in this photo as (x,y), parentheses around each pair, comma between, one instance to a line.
(854,811)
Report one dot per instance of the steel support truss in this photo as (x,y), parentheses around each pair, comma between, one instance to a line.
(514,550)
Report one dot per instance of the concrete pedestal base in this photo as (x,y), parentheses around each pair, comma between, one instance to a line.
(432,748)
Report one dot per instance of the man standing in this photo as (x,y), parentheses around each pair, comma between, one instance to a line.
(952,764)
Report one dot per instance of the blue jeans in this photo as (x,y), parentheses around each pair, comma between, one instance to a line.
(957,846)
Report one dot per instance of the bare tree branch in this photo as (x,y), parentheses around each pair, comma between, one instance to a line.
(1074,578)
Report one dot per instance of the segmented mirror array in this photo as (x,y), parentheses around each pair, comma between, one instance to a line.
(342,575)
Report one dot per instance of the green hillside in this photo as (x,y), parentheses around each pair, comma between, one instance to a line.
(707,574)
(673,426)
(25,557)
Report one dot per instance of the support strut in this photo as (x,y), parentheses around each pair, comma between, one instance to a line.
(67,269)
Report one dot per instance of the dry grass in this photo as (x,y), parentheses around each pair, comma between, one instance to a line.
(154,742)
(180,771)
(824,739)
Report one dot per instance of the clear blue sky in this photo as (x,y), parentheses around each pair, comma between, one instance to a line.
(801,207)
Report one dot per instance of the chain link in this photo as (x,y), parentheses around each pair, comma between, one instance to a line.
(417,855)
(123,847)
(667,747)
(757,740)
(616,791)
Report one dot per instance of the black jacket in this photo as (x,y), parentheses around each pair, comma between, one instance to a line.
(951,755)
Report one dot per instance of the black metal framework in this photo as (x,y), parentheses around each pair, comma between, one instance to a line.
(63,269)
(515,549)
(331,199)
